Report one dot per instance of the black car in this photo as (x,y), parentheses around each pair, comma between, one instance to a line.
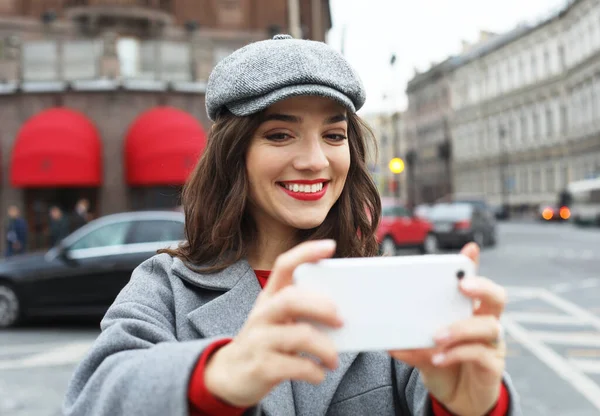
(84,273)
(456,224)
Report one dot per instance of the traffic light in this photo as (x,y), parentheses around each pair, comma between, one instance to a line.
(396,165)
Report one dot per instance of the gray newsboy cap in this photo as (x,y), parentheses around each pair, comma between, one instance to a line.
(260,74)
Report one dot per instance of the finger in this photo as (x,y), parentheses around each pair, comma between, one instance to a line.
(281,367)
(293,303)
(307,252)
(303,338)
(471,250)
(484,356)
(492,297)
(419,358)
(478,328)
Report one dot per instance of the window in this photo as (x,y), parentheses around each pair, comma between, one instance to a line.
(549,122)
(564,120)
(524,128)
(561,57)
(151,231)
(533,68)
(547,62)
(128,51)
(105,236)
(524,181)
(536,125)
(536,180)
(550,179)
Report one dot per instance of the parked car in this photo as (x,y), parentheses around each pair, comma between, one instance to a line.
(399,229)
(83,274)
(456,224)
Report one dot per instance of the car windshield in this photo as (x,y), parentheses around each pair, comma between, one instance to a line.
(450,212)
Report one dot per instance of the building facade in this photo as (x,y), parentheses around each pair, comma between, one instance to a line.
(389,132)
(526,110)
(428,133)
(104,99)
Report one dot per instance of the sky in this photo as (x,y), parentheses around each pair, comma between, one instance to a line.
(419,32)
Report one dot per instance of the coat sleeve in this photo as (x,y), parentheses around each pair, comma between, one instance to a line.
(136,366)
(413,397)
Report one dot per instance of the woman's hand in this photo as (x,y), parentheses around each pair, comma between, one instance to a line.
(266,351)
(464,371)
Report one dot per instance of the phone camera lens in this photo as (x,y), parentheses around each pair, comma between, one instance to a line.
(460,274)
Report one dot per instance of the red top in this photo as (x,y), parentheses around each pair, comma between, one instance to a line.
(202,403)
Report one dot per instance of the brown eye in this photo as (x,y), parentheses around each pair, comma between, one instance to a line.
(278,137)
(336,137)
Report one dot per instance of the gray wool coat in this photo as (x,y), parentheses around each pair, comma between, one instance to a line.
(154,333)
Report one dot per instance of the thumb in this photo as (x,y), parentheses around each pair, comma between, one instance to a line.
(471,250)
(286,263)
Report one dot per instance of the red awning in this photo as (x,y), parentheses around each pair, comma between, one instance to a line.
(57,147)
(162,147)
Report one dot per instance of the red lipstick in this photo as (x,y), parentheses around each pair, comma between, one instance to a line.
(306,196)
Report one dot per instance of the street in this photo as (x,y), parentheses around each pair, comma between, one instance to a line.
(551,271)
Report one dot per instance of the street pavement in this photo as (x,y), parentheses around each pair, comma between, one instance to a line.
(552,322)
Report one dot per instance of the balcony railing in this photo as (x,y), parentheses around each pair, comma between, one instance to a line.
(163,5)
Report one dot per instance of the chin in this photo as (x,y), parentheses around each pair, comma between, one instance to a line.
(307,223)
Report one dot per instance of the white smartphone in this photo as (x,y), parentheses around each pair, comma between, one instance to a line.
(390,303)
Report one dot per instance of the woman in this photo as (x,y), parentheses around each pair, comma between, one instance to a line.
(283,181)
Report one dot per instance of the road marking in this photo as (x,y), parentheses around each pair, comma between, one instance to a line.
(587,366)
(67,354)
(584,339)
(570,308)
(558,364)
(545,318)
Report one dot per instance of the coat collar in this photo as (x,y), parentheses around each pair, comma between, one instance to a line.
(226,314)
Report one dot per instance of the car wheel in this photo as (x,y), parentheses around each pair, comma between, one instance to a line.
(388,247)
(430,245)
(9,307)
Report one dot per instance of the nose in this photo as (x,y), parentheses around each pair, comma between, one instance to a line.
(312,155)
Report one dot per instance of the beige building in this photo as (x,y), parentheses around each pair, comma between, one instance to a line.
(104,99)
(389,132)
(526,109)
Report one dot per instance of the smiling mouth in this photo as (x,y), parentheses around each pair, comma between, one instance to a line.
(305,188)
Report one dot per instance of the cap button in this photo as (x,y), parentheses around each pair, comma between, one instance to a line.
(281,37)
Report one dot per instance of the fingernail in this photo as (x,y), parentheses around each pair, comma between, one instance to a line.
(437,359)
(442,336)
(469,284)
(326,244)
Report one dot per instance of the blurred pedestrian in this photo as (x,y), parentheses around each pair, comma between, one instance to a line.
(59,226)
(16,232)
(81,215)
(283,181)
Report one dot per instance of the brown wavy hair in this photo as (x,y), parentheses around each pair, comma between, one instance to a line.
(219,227)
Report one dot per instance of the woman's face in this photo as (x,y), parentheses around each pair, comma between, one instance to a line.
(297,162)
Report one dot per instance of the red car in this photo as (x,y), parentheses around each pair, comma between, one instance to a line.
(399,229)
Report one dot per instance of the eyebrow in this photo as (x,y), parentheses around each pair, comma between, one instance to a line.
(295,119)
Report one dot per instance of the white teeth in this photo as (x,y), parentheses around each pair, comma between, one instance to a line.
(317,187)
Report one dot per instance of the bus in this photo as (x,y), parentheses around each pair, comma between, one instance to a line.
(585,201)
